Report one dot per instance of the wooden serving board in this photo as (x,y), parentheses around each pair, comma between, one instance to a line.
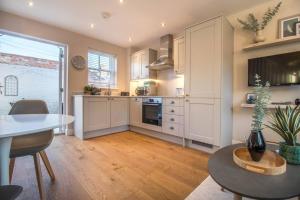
(270,164)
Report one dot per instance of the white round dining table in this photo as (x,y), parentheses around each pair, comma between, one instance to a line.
(18,125)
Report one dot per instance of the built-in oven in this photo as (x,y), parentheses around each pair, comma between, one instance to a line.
(152,111)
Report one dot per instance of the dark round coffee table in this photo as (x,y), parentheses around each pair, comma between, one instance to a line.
(244,183)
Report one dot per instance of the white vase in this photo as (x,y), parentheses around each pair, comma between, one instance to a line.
(259,37)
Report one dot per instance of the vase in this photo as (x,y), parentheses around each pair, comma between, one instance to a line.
(259,37)
(290,153)
(256,145)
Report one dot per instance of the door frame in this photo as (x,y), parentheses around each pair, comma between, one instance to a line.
(63,71)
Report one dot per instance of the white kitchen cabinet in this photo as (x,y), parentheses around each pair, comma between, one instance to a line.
(96,113)
(202,119)
(135,112)
(135,67)
(119,112)
(139,62)
(179,54)
(208,82)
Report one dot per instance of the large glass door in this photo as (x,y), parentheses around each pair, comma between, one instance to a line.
(31,69)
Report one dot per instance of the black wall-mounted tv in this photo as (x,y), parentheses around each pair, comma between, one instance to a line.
(282,69)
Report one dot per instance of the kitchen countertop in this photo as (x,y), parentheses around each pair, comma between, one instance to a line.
(116,96)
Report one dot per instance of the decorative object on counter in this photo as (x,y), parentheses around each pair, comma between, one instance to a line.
(179,92)
(141,91)
(297,102)
(125,94)
(252,23)
(78,62)
(298,29)
(286,123)
(256,143)
(91,90)
(288,26)
(250,98)
(270,164)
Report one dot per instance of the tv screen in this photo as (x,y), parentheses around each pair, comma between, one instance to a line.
(282,69)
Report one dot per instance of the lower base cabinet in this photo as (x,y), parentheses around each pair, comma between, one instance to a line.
(96,116)
(202,120)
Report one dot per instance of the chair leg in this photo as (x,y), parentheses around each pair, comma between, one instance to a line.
(47,164)
(11,168)
(38,173)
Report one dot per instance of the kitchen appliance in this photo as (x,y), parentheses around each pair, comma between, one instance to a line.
(165,60)
(151,88)
(282,69)
(152,111)
(141,91)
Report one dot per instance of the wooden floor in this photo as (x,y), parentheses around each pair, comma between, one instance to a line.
(119,166)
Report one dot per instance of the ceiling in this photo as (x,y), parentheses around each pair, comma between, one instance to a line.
(139,19)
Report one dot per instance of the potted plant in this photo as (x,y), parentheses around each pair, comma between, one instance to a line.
(90,89)
(256,143)
(252,23)
(286,123)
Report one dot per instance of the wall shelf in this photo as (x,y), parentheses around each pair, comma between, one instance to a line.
(272,43)
(271,106)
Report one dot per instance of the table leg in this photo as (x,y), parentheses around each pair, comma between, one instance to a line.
(5,144)
(237,197)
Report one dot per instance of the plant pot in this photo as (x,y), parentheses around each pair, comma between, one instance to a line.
(256,145)
(259,37)
(290,153)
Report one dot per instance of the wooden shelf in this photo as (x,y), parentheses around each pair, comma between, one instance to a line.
(271,106)
(276,42)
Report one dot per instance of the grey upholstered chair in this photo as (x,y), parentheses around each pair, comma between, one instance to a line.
(33,144)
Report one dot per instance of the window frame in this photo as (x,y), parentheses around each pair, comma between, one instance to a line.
(112,69)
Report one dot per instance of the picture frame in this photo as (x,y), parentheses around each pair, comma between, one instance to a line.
(287,26)
(250,98)
(298,29)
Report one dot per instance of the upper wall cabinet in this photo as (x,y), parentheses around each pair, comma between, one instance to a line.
(139,62)
(179,54)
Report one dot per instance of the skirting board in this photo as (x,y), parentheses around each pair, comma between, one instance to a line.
(159,135)
(108,131)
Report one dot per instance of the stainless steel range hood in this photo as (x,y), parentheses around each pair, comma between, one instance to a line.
(165,60)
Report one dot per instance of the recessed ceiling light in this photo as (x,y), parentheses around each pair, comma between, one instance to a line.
(163,24)
(30,3)
(130,39)
(121,1)
(92,25)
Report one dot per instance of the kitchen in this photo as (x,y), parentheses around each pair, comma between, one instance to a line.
(158,104)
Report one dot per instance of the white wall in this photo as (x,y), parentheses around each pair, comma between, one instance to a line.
(242,116)
(34,83)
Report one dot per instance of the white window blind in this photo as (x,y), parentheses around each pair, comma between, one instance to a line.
(102,69)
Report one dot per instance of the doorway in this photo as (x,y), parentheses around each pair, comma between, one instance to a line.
(31,68)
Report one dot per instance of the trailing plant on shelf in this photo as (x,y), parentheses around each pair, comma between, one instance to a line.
(256,143)
(286,123)
(252,23)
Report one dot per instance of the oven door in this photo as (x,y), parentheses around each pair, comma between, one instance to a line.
(152,113)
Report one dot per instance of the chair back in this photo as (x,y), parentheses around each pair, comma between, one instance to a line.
(29,107)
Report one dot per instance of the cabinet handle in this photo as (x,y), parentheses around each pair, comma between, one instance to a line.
(172,102)
(112,99)
(187,95)
(172,119)
(187,100)
(172,128)
(172,111)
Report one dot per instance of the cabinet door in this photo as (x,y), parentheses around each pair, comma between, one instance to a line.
(96,113)
(144,59)
(179,55)
(135,111)
(135,67)
(202,120)
(119,112)
(203,60)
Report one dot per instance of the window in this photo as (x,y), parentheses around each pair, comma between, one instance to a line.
(102,69)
